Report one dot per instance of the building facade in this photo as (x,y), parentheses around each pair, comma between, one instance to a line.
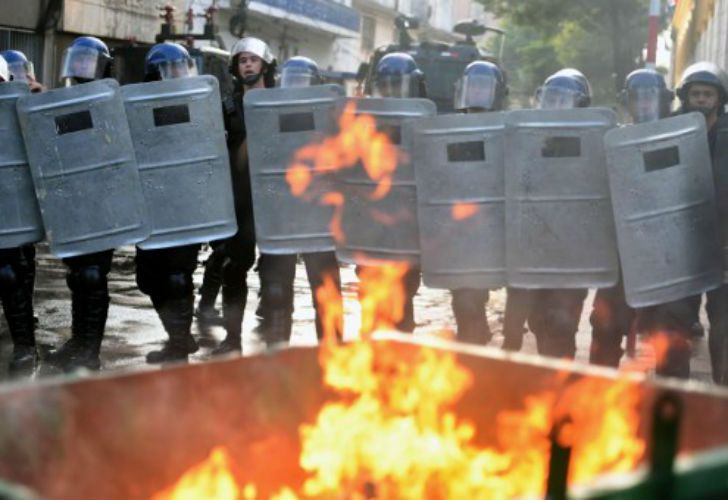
(699,33)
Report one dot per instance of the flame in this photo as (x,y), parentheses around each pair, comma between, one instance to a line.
(329,303)
(462,211)
(357,143)
(382,296)
(210,479)
(335,200)
(652,356)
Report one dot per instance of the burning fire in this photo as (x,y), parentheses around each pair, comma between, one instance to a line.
(210,479)
(357,143)
(392,431)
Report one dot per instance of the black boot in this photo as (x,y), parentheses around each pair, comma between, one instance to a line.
(89,312)
(233,310)
(176,317)
(211,284)
(277,327)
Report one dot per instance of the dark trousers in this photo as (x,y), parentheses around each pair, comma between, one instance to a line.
(277,273)
(518,308)
(673,320)
(17,278)
(87,278)
(554,319)
(717,309)
(611,320)
(468,306)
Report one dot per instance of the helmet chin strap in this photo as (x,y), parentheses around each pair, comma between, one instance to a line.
(252,79)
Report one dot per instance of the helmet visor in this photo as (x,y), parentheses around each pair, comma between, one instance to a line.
(82,62)
(296,77)
(394,86)
(643,104)
(182,68)
(476,91)
(558,98)
(22,71)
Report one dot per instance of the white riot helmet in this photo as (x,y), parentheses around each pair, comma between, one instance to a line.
(254,46)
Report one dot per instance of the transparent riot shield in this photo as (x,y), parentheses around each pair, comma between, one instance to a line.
(291,218)
(664,209)
(179,141)
(85,174)
(20,220)
(559,224)
(459,169)
(381,225)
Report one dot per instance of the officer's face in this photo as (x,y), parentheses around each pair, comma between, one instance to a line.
(249,64)
(703,97)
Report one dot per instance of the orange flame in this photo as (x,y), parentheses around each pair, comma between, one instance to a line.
(382,296)
(462,211)
(357,143)
(210,479)
(329,303)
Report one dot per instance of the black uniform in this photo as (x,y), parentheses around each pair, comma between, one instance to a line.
(717,300)
(239,249)
(166,276)
(86,277)
(17,277)
(676,319)
(277,273)
(611,320)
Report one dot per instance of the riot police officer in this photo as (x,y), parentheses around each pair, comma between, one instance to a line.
(21,69)
(481,89)
(554,313)
(87,59)
(165,274)
(252,66)
(397,75)
(17,276)
(645,98)
(277,272)
(703,88)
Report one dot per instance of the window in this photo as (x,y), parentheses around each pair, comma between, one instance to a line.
(368,32)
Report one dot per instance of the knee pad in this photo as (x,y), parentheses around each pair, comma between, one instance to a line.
(86,279)
(9,278)
(178,285)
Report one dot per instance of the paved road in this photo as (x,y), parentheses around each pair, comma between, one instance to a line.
(133,328)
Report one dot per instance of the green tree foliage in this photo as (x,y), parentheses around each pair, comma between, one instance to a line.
(602,38)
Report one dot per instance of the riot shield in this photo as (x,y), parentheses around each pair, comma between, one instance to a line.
(663,198)
(720,176)
(459,169)
(179,141)
(383,228)
(85,175)
(285,120)
(559,224)
(20,221)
